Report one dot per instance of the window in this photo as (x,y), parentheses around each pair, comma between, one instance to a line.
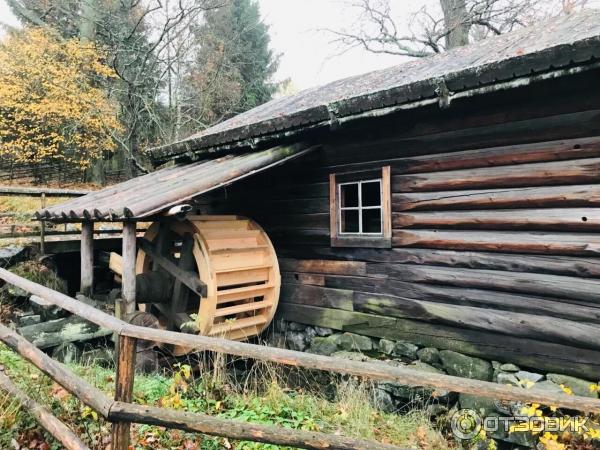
(360,209)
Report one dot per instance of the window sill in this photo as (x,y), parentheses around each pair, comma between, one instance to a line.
(361,241)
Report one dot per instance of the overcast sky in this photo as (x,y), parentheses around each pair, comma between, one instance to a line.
(308,57)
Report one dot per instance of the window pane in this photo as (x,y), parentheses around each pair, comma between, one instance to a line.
(350,221)
(371,194)
(371,220)
(349,195)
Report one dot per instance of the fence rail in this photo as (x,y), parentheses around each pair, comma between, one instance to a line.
(121,411)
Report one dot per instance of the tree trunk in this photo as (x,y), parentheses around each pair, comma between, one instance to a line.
(455,23)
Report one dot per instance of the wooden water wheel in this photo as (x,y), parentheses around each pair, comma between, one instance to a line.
(231,255)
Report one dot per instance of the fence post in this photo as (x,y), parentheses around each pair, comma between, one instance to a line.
(124,389)
(43,227)
(87,259)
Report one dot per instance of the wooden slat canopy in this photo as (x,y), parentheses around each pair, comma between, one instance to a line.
(150,194)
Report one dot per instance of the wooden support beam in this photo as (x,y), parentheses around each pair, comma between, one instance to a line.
(187,277)
(233,429)
(44,417)
(180,294)
(128,269)
(43,227)
(87,258)
(121,429)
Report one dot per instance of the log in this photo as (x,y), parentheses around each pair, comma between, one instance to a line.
(566,149)
(318,296)
(587,290)
(78,308)
(375,370)
(551,264)
(153,287)
(243,431)
(60,331)
(115,263)
(84,391)
(501,241)
(544,306)
(527,197)
(502,322)
(560,219)
(578,171)
(323,266)
(43,416)
(528,353)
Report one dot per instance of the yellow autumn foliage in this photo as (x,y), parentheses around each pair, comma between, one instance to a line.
(53,106)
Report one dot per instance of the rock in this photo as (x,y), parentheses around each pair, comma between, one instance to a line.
(383,401)
(429,355)
(45,309)
(323,345)
(102,356)
(414,392)
(464,366)
(295,341)
(309,334)
(403,348)
(508,378)
(12,254)
(509,368)
(523,375)
(31,319)
(295,326)
(351,341)
(548,386)
(386,346)
(435,409)
(322,331)
(353,356)
(483,406)
(577,385)
(67,353)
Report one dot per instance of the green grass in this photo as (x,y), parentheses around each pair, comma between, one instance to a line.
(264,402)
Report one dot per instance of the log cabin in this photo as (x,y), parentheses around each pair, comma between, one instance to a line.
(452,201)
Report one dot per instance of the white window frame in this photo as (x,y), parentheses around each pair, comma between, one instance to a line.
(360,208)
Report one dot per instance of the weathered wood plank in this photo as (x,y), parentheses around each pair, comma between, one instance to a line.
(550,264)
(587,290)
(527,197)
(87,258)
(560,219)
(205,424)
(70,329)
(317,296)
(501,241)
(323,266)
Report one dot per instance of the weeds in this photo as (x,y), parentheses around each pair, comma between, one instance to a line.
(262,395)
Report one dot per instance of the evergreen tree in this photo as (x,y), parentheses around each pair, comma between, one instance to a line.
(233,66)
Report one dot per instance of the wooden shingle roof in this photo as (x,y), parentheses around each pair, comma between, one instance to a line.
(547,46)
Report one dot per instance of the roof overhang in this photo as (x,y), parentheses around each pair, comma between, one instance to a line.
(152,194)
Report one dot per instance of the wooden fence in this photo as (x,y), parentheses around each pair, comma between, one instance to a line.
(122,412)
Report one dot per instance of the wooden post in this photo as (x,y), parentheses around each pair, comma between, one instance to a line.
(87,258)
(121,432)
(43,227)
(128,277)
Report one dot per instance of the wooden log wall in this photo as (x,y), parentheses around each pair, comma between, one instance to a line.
(495,249)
